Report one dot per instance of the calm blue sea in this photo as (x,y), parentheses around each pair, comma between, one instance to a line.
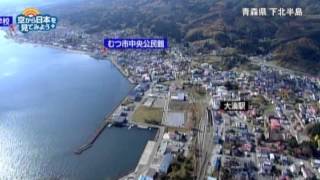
(51,102)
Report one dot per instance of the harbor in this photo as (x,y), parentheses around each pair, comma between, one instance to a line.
(117,118)
(147,156)
(48,122)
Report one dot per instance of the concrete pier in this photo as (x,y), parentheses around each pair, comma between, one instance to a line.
(147,156)
(105,123)
(92,140)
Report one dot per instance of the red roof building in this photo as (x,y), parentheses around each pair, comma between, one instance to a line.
(275,124)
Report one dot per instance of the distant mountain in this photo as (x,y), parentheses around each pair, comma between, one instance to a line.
(210,24)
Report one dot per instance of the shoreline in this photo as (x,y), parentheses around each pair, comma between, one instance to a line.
(90,54)
(78,51)
(108,117)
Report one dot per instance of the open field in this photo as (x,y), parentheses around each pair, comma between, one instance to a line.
(175,105)
(148,115)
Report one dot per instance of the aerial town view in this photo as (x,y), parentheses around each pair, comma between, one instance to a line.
(160,89)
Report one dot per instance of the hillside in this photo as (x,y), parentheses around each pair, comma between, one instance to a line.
(302,52)
(209,24)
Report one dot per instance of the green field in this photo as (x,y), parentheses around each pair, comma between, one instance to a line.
(148,115)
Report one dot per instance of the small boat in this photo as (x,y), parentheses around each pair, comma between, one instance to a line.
(109,125)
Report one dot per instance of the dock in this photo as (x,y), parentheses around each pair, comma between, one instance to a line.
(92,140)
(109,118)
(144,161)
(147,156)
(105,123)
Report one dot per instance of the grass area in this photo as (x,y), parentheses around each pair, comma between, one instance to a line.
(269,109)
(178,105)
(148,115)
(263,106)
(197,92)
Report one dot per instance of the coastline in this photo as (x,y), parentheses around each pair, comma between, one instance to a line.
(108,117)
(110,144)
(78,51)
